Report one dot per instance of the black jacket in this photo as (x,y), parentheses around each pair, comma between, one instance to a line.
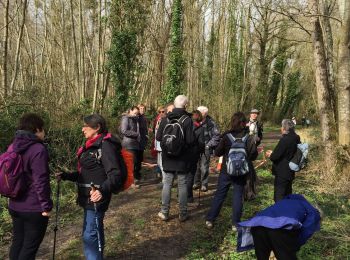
(100,164)
(182,162)
(282,154)
(143,123)
(225,144)
(198,146)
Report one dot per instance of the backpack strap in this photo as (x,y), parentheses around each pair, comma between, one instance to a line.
(245,138)
(183,118)
(231,138)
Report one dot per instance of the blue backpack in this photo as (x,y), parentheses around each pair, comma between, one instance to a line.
(237,161)
(299,159)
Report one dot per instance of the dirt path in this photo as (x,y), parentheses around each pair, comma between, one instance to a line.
(132,228)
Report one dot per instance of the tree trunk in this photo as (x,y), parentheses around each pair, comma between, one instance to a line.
(5,39)
(321,73)
(76,58)
(82,51)
(18,47)
(344,75)
(97,69)
(328,33)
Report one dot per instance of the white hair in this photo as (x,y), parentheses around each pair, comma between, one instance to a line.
(287,125)
(203,109)
(180,101)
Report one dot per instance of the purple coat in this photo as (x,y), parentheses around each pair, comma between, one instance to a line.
(36,198)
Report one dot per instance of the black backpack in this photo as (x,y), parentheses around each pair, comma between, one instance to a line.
(173,140)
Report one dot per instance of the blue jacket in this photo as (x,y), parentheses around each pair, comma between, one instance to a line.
(293,212)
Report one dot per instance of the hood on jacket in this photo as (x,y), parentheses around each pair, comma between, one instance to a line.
(177,113)
(23,139)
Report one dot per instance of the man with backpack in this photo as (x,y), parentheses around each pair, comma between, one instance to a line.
(175,134)
(212,138)
(281,156)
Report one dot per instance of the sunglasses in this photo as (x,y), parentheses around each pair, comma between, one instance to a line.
(162,111)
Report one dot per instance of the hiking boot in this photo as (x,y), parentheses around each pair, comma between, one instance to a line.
(195,186)
(163,216)
(190,200)
(209,224)
(234,228)
(183,217)
(204,188)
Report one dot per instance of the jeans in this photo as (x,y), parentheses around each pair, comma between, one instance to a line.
(224,184)
(93,235)
(138,158)
(202,173)
(160,163)
(28,232)
(168,179)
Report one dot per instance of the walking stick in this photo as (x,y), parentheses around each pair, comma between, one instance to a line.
(56,219)
(97,225)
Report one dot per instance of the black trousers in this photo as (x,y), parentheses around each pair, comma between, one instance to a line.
(191,176)
(138,158)
(282,188)
(28,232)
(283,242)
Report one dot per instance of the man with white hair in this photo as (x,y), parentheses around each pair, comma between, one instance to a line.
(212,138)
(176,136)
(281,155)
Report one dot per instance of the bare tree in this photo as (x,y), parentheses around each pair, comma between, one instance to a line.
(344,75)
(5,54)
(321,73)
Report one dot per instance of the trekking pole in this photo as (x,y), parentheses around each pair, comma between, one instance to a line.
(97,225)
(56,219)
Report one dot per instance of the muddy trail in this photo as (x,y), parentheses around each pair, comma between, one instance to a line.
(132,228)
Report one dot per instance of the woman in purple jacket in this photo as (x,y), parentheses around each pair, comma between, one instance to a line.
(30,210)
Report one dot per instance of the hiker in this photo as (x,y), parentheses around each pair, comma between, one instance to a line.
(255,129)
(280,157)
(143,123)
(282,228)
(239,138)
(131,134)
(197,149)
(156,145)
(294,120)
(255,126)
(212,138)
(30,209)
(175,155)
(99,162)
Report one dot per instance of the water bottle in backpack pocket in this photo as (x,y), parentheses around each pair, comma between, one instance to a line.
(237,161)
(173,140)
(12,179)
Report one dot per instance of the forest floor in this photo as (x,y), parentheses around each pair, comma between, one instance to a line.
(133,230)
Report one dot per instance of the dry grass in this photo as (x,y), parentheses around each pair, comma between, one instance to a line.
(329,164)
